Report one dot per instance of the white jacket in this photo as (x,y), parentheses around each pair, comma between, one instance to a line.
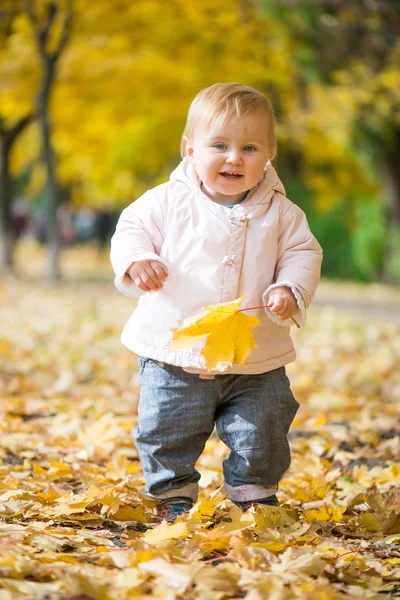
(214,254)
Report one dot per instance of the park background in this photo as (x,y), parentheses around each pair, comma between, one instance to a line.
(93,100)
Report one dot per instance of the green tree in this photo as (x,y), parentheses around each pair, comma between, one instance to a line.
(347,57)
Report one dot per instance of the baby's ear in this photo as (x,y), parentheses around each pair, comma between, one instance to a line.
(188,146)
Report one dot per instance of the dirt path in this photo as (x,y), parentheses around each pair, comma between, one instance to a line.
(84,264)
(377,302)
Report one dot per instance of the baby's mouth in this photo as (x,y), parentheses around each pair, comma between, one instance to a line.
(230,175)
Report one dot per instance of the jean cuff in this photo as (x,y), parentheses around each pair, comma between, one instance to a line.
(252,491)
(190,490)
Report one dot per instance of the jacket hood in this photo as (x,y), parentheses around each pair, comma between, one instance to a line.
(187,174)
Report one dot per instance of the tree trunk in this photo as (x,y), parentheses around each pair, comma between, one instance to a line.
(391,180)
(43,28)
(7,237)
(6,233)
(53,272)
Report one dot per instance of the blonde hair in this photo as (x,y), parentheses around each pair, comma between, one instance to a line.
(228,100)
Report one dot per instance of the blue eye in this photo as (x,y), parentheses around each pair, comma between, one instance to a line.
(220,146)
(250,148)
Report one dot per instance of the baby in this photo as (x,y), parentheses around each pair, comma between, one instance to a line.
(221,227)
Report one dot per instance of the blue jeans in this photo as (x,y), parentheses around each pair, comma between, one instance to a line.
(176,415)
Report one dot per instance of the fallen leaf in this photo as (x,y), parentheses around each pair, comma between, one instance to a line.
(325,513)
(166,532)
(178,577)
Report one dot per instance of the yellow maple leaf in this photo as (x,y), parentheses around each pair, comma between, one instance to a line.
(50,495)
(166,532)
(205,508)
(370,522)
(130,513)
(275,545)
(325,513)
(228,332)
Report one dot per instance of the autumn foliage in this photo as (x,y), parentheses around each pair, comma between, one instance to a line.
(74,522)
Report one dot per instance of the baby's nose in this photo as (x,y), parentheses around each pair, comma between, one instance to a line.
(234,158)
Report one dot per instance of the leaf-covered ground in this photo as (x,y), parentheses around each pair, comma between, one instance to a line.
(74,523)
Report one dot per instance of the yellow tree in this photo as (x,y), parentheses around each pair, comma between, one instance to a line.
(128,76)
(126,79)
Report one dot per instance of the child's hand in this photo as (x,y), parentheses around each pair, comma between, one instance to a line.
(282,302)
(148,275)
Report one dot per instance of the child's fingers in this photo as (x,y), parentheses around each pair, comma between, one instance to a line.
(275,303)
(281,308)
(285,313)
(144,280)
(140,284)
(148,275)
(281,312)
(150,278)
(160,270)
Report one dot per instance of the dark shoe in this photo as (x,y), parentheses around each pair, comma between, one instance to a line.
(170,508)
(270,501)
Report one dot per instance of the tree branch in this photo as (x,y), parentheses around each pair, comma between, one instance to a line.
(8,13)
(9,135)
(42,32)
(66,30)
(51,14)
(41,44)
(20,126)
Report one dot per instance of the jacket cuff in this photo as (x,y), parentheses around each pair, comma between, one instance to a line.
(124,283)
(300,316)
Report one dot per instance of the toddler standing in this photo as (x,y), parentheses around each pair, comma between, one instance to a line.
(220,227)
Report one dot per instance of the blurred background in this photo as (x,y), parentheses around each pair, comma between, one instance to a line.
(94,96)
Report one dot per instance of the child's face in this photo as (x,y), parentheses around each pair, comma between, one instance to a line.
(230,158)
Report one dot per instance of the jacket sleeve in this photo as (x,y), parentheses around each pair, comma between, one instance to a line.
(298,264)
(138,236)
